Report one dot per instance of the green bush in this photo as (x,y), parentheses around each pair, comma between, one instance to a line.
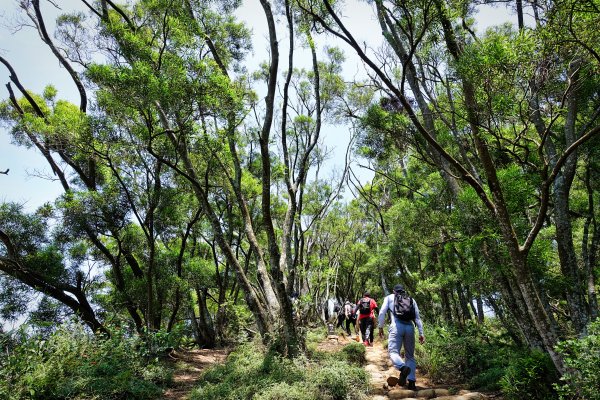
(284,391)
(338,381)
(354,353)
(252,374)
(457,355)
(247,372)
(72,363)
(488,380)
(315,336)
(529,376)
(481,356)
(582,359)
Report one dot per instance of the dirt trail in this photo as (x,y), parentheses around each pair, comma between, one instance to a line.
(380,368)
(188,367)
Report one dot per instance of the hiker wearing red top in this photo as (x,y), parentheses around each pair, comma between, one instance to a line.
(366,307)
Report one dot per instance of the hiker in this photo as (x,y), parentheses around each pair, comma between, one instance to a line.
(331,308)
(401,332)
(347,314)
(366,307)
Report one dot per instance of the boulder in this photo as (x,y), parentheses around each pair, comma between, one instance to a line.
(473,396)
(378,390)
(372,368)
(426,393)
(377,376)
(401,394)
(465,396)
(441,392)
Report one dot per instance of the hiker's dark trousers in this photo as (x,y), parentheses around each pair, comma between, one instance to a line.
(366,329)
(349,322)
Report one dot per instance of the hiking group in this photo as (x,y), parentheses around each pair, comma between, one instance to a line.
(404,316)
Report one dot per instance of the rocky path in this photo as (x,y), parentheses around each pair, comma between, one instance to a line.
(380,368)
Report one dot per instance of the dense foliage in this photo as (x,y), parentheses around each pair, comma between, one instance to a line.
(72,363)
(251,374)
(583,360)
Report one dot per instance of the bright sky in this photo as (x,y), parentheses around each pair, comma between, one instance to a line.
(28,183)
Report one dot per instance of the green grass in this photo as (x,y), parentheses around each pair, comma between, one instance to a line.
(253,373)
(74,364)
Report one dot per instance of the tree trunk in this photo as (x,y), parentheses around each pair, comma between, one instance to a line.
(205,323)
(544,325)
(480,312)
(520,20)
(589,250)
(575,287)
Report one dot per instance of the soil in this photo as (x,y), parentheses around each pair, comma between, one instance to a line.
(188,366)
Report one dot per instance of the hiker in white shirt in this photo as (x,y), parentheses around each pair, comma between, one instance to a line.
(404,314)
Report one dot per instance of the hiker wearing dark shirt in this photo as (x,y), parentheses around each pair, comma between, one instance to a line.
(404,315)
(366,308)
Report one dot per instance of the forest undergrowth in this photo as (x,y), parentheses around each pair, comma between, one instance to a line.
(71,364)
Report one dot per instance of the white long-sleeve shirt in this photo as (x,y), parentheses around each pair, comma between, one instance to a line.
(388,305)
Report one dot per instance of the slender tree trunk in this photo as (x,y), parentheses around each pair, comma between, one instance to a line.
(480,313)
(520,14)
(463,302)
(194,321)
(521,273)
(541,320)
(575,287)
(261,314)
(511,296)
(205,325)
(514,331)
(591,280)
(589,250)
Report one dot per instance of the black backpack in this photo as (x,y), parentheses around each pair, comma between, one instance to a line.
(364,306)
(404,308)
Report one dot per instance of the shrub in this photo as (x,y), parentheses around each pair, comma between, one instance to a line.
(488,380)
(454,355)
(284,391)
(251,374)
(582,359)
(315,336)
(354,353)
(72,363)
(339,381)
(246,373)
(529,376)
(480,356)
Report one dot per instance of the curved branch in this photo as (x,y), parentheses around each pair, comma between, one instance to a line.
(61,59)
(546,185)
(122,14)
(463,172)
(13,77)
